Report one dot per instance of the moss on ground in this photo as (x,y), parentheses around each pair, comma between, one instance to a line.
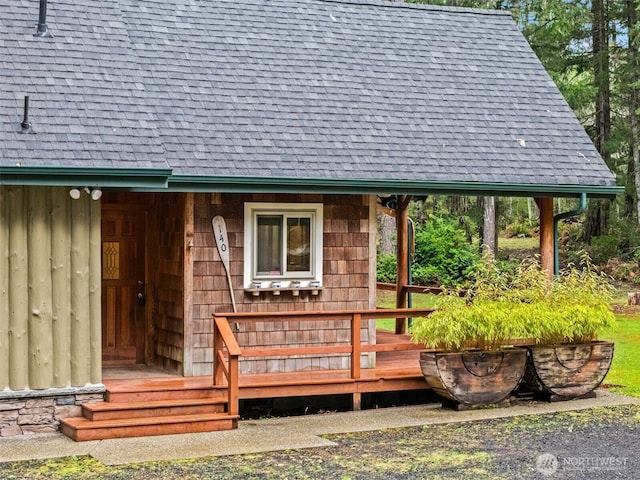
(490,449)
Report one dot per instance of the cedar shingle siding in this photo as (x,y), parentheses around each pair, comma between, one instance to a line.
(166,265)
(347,282)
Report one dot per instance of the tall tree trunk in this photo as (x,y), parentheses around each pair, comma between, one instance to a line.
(601,73)
(634,63)
(387,229)
(490,227)
(598,212)
(533,211)
(629,204)
(459,205)
(597,219)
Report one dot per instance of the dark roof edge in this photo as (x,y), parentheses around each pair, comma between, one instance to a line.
(94,177)
(421,6)
(297,185)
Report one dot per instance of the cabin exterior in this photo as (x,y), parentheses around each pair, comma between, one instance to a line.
(126,128)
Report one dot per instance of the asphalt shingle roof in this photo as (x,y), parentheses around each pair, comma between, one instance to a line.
(324,90)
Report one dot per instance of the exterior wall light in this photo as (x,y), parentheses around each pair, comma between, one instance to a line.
(94,193)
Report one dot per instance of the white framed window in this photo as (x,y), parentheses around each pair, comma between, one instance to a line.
(282,243)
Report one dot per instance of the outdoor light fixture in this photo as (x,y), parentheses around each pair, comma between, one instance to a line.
(94,193)
(388,201)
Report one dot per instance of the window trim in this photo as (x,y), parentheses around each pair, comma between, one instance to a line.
(314,211)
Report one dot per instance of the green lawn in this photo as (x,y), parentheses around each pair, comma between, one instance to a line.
(624,375)
(387,299)
(515,243)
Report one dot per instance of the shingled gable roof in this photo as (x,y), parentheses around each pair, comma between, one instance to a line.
(286,95)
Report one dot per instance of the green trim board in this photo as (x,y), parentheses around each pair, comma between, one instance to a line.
(89,177)
(354,186)
(160,180)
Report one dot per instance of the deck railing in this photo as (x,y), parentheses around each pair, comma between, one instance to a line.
(225,345)
(226,353)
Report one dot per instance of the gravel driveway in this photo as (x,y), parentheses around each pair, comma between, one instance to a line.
(597,443)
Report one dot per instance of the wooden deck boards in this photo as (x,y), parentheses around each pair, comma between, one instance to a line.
(142,401)
(394,371)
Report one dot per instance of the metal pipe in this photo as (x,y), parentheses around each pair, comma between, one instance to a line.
(42,30)
(560,216)
(26,124)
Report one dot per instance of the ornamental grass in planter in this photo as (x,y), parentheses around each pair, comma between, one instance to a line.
(474,362)
(568,360)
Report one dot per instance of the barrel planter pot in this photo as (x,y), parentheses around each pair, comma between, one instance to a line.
(473,378)
(564,372)
(500,310)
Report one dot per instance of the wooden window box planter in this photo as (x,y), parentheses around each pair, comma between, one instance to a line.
(276,291)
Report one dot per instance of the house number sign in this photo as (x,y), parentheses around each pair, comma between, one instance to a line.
(222,242)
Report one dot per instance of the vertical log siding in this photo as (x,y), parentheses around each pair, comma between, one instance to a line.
(60,281)
(40,324)
(49,289)
(4,290)
(16,279)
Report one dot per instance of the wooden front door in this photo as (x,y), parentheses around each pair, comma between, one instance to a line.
(123,285)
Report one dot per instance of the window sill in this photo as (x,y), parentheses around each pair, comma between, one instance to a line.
(276,291)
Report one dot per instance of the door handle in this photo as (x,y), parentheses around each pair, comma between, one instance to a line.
(141,299)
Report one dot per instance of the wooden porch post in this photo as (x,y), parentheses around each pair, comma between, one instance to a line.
(546,234)
(187,278)
(356,325)
(402,218)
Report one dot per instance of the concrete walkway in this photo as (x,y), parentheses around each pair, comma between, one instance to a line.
(272,434)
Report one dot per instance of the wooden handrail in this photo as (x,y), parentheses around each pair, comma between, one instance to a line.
(290,351)
(327,315)
(226,351)
(223,338)
(222,324)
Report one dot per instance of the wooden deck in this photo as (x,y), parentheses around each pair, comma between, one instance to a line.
(148,402)
(394,371)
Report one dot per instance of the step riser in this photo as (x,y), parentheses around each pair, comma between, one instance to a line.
(126,397)
(82,435)
(125,413)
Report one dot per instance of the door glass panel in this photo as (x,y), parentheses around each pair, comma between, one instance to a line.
(111,260)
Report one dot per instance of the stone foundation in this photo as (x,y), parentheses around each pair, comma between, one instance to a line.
(39,411)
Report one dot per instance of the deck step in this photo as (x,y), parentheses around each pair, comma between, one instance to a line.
(159,392)
(82,429)
(153,408)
